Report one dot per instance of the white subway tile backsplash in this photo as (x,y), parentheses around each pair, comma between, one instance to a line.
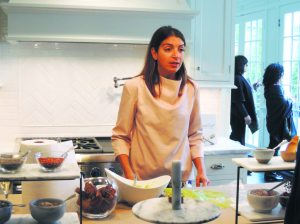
(67,89)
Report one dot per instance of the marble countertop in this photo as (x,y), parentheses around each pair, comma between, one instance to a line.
(32,172)
(68,218)
(276,163)
(223,146)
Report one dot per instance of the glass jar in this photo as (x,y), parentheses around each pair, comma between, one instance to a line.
(99,197)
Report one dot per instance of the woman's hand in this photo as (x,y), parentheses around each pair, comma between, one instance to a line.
(129,175)
(202,178)
(248,120)
(125,164)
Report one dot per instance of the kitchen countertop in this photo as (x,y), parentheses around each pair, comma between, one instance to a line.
(222,146)
(124,215)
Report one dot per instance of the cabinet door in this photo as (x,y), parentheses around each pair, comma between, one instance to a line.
(214,40)
(221,170)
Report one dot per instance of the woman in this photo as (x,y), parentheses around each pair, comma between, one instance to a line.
(159,114)
(279,109)
(242,103)
(279,112)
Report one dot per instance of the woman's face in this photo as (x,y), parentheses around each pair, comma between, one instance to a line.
(169,56)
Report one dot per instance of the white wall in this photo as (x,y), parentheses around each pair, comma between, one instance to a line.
(67,89)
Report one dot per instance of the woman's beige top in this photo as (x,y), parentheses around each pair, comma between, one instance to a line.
(156,131)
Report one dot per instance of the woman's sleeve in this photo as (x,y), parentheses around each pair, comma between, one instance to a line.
(121,133)
(195,128)
(238,97)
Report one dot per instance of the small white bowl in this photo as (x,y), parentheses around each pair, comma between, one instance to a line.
(143,190)
(263,155)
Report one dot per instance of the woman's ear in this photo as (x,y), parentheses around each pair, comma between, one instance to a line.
(154,53)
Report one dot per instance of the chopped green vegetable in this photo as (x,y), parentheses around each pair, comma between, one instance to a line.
(218,198)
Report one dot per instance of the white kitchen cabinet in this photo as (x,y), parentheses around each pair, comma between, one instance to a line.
(221,170)
(214,40)
(218,160)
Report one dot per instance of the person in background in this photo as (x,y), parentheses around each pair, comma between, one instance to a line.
(279,111)
(159,114)
(242,103)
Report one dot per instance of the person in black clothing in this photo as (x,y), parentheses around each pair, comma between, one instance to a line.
(279,112)
(242,103)
(279,109)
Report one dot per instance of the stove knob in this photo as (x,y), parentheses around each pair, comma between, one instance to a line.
(95,172)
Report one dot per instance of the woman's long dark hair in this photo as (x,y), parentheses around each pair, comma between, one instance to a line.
(149,72)
(239,64)
(273,74)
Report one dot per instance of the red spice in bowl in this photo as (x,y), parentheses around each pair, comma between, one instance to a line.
(51,162)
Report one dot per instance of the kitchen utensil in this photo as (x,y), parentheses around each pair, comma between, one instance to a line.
(50,161)
(25,154)
(262,201)
(159,210)
(5,211)
(47,210)
(65,154)
(11,162)
(4,192)
(70,197)
(209,139)
(263,155)
(135,179)
(19,205)
(280,144)
(143,190)
(100,199)
(278,185)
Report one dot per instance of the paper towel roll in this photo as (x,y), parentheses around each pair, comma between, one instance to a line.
(36,145)
(42,189)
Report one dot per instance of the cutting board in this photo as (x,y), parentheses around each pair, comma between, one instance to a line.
(248,212)
(159,210)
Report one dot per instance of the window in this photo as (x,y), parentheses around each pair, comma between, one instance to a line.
(291,58)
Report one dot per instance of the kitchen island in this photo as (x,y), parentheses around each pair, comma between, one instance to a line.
(124,215)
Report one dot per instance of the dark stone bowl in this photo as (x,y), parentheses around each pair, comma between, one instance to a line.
(5,211)
(47,210)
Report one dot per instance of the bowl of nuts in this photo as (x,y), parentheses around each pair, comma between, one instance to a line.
(99,197)
(47,210)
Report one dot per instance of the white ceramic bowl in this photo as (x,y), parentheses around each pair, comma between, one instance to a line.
(263,155)
(262,202)
(143,190)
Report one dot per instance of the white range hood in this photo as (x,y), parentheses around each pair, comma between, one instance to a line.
(105,21)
